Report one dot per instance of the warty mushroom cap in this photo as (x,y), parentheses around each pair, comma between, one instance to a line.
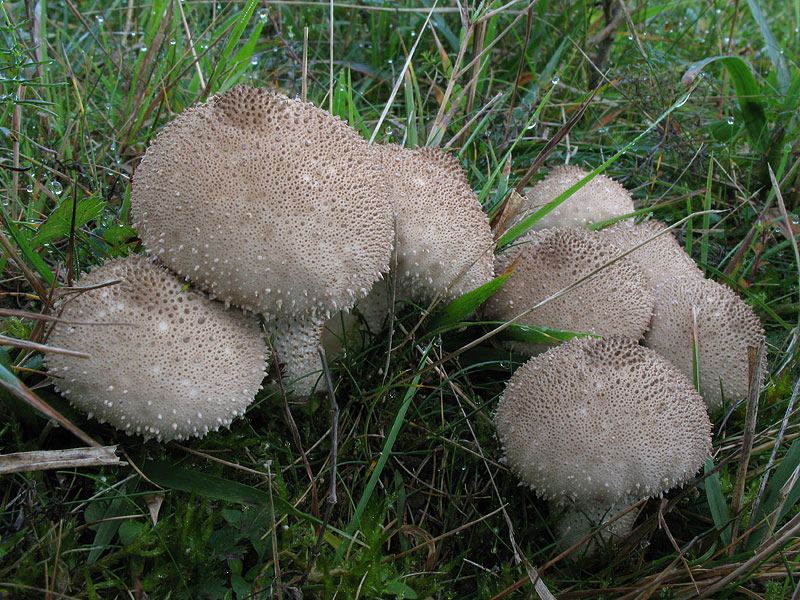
(444,242)
(265,202)
(726,327)
(616,301)
(176,366)
(660,258)
(602,421)
(600,199)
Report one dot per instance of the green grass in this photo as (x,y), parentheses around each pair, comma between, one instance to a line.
(236,515)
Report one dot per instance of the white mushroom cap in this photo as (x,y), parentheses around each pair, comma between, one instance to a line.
(444,242)
(600,199)
(266,202)
(616,301)
(726,327)
(660,258)
(178,365)
(602,421)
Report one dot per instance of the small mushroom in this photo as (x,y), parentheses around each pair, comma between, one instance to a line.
(444,242)
(660,258)
(725,326)
(266,202)
(602,423)
(616,301)
(165,362)
(600,199)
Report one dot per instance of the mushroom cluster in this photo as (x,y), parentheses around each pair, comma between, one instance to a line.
(279,208)
(578,421)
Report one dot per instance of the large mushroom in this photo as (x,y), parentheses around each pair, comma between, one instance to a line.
(265,202)
(616,301)
(165,362)
(725,327)
(597,424)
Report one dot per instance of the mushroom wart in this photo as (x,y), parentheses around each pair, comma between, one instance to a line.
(266,202)
(165,363)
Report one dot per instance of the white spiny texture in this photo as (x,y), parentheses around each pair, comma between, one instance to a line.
(660,258)
(266,202)
(165,362)
(726,327)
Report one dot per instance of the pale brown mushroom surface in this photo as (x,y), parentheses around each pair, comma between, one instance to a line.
(616,301)
(725,325)
(444,242)
(165,362)
(265,202)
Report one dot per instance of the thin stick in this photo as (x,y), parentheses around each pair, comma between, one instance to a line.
(330,65)
(8,341)
(191,46)
(58,459)
(304,80)
(331,499)
(778,441)
(402,74)
(756,360)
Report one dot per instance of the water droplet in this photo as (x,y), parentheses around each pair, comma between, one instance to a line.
(99,18)
(532,125)
(263,14)
(143,48)
(505,364)
(730,120)
(254,61)
(388,131)
(29,188)
(555,80)
(172,41)
(56,187)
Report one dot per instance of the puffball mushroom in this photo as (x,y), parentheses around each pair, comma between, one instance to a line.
(661,258)
(726,327)
(165,362)
(600,199)
(444,242)
(265,202)
(602,423)
(616,301)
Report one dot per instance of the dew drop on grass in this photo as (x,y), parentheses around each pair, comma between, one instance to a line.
(57,188)
(172,41)
(254,61)
(29,188)
(99,18)
(730,120)
(263,14)
(555,80)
